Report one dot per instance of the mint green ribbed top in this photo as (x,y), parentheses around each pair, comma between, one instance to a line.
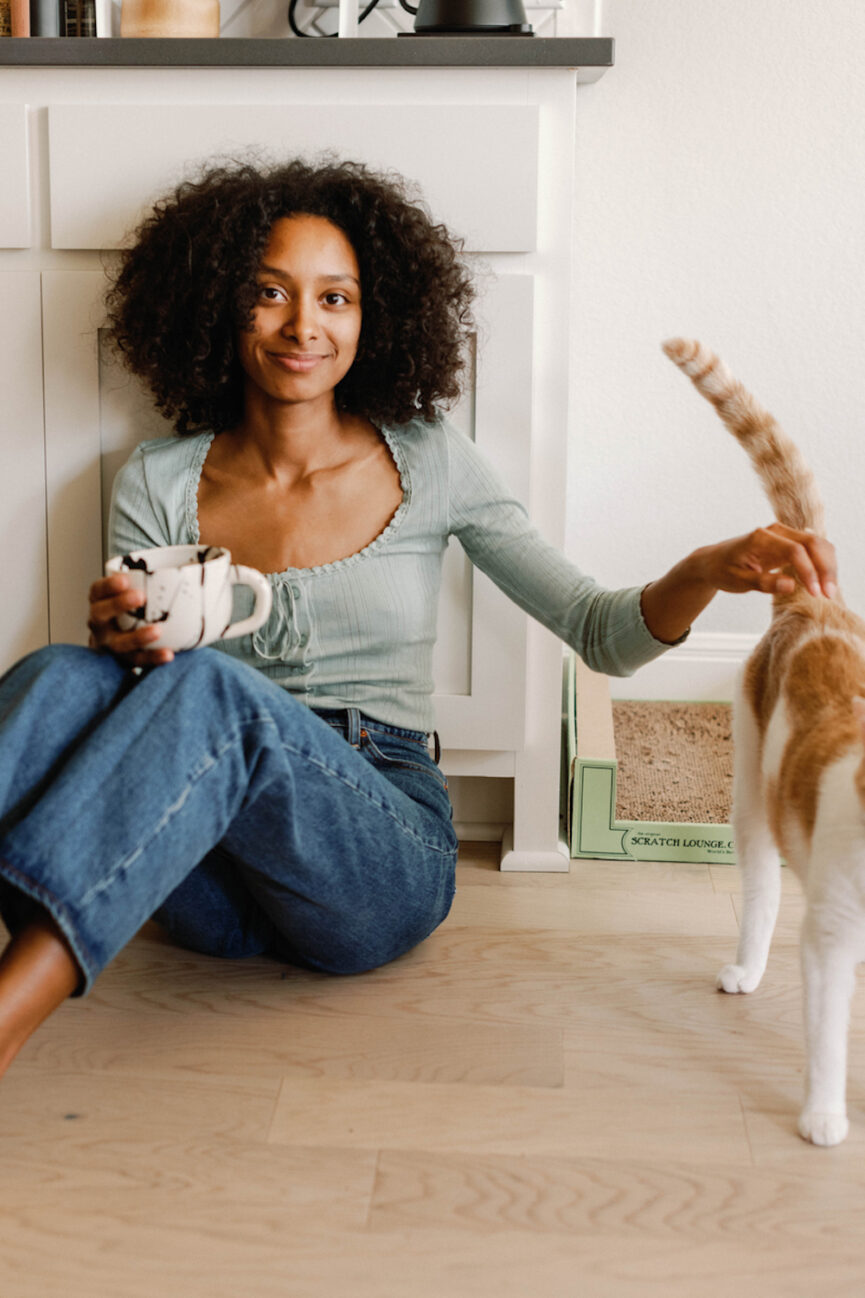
(360,632)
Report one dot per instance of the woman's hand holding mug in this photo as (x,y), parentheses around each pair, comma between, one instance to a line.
(110,599)
(154,603)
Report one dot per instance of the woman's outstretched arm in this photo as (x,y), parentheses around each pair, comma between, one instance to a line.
(770,559)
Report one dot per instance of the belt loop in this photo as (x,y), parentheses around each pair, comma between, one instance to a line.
(437,747)
(352,726)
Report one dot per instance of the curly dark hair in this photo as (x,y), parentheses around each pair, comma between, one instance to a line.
(187,284)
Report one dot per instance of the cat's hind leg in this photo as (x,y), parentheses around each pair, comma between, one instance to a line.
(829,957)
(757,854)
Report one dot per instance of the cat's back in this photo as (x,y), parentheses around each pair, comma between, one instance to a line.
(801,683)
(810,638)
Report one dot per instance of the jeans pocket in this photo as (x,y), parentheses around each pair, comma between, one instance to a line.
(405,754)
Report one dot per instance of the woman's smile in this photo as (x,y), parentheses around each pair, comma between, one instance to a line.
(298,362)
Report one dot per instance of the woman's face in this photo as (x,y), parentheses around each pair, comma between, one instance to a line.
(307,314)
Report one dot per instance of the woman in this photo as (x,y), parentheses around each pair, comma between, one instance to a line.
(302,326)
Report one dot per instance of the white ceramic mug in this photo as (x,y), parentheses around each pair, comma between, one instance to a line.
(189,592)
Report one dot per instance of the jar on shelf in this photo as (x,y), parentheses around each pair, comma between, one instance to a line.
(169,18)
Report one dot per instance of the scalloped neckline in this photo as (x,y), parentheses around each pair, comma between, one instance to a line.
(349,560)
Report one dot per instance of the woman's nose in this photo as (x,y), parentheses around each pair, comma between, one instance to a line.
(300,321)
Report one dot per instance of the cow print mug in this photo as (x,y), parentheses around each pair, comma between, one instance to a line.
(189,590)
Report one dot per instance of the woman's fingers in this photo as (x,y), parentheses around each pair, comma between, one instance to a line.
(763,561)
(132,646)
(822,561)
(773,552)
(147,657)
(104,612)
(811,557)
(110,597)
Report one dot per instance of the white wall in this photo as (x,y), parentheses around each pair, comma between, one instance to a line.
(721,195)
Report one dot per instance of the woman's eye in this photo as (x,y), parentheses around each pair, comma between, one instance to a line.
(335,299)
(270,292)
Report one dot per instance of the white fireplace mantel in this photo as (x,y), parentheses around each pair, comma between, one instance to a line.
(92,131)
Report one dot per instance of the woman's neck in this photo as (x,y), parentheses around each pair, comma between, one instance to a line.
(292,439)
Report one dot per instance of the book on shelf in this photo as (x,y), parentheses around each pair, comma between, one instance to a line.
(78,17)
(59,18)
(44,17)
(107,18)
(20,17)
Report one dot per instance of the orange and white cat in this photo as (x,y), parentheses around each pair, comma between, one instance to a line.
(799,766)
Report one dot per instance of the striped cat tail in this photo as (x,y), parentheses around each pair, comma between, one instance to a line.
(786,478)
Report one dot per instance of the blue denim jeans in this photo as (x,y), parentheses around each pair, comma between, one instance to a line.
(203,795)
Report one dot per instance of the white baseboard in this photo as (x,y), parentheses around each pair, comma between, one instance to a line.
(702,670)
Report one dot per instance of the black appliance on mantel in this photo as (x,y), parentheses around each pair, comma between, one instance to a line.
(468,18)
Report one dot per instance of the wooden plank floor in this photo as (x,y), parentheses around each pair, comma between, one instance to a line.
(547,1099)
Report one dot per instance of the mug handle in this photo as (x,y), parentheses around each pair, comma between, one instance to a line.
(242,576)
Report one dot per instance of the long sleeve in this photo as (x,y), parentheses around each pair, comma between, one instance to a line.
(132,521)
(605,627)
(154,494)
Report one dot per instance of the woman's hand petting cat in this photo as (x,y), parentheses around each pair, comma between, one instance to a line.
(762,561)
(770,559)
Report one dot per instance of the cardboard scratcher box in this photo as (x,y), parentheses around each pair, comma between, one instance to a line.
(589,781)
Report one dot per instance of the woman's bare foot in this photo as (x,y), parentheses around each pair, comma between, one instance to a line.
(37,974)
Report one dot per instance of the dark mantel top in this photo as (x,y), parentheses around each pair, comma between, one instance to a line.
(593,54)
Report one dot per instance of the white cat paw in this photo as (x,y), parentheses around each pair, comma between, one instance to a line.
(823,1128)
(737,978)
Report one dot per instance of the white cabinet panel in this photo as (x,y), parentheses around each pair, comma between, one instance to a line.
(127,417)
(492,155)
(24,624)
(477,166)
(72,312)
(14,178)
(489,712)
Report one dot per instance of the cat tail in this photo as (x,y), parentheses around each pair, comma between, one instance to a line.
(786,478)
